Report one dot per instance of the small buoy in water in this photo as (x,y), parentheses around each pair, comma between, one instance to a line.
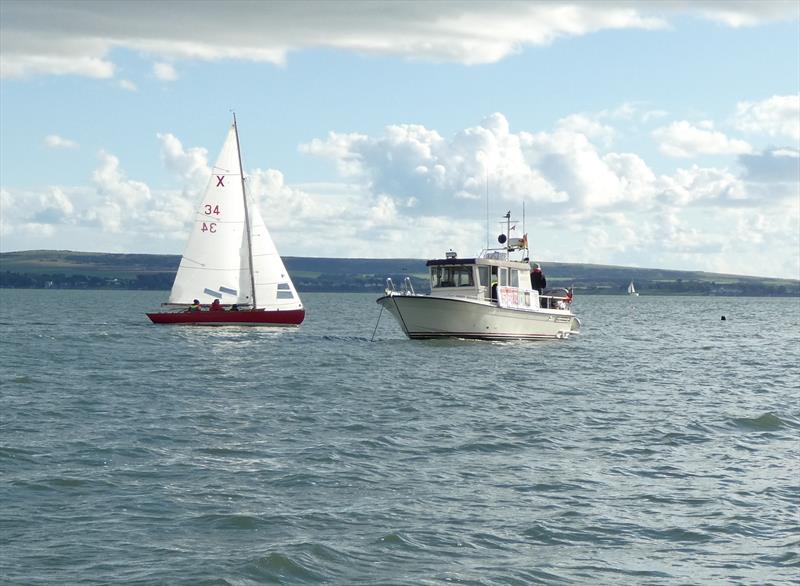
(722,318)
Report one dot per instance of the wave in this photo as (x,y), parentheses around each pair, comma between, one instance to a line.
(278,567)
(303,562)
(766,422)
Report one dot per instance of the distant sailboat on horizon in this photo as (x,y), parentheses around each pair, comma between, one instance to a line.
(632,290)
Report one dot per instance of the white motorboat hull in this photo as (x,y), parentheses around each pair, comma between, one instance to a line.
(425,316)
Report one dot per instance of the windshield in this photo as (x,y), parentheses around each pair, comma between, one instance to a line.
(452,277)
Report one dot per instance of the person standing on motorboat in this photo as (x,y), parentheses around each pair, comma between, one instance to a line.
(538,280)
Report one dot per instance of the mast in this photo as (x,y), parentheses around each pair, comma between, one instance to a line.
(246,216)
(524,233)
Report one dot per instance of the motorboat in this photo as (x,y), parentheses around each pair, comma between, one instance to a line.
(488,297)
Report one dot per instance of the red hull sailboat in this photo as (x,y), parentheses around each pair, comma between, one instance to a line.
(257,317)
(231,272)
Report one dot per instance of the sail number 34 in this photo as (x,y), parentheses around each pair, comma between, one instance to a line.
(210,226)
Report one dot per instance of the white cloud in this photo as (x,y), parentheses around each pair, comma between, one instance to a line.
(778,116)
(560,171)
(120,198)
(190,165)
(411,161)
(412,192)
(580,123)
(573,165)
(56,205)
(127,85)
(742,14)
(32,213)
(14,65)
(286,207)
(773,166)
(682,139)
(632,111)
(563,169)
(701,184)
(55,141)
(164,72)
(584,205)
(56,37)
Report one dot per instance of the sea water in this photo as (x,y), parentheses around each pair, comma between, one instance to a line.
(661,446)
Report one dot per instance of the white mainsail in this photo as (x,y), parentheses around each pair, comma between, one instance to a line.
(631,289)
(221,260)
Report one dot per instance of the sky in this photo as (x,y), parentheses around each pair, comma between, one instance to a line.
(661,134)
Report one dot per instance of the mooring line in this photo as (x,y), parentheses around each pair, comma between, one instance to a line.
(376,324)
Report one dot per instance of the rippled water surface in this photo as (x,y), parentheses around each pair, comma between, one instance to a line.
(659,447)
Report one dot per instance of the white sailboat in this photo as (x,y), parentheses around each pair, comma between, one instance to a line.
(231,272)
(632,290)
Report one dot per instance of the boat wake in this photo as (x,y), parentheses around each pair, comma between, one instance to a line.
(329,338)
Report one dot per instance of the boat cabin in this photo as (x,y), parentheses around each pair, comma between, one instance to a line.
(494,280)
(474,277)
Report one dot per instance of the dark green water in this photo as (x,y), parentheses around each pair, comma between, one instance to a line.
(660,447)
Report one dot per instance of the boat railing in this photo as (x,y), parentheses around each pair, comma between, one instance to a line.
(389,289)
(407,288)
(555,299)
(494,254)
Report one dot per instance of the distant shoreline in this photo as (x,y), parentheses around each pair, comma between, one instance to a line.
(60,269)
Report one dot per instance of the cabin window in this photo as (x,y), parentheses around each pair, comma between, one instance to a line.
(452,277)
(466,277)
(503,277)
(483,276)
(514,278)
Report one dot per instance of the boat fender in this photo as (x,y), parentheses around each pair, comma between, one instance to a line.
(559,335)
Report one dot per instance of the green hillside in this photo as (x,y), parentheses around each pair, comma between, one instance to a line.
(88,270)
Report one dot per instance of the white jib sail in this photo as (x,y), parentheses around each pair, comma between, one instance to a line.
(274,288)
(631,289)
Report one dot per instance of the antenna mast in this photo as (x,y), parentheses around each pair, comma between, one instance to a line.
(487,208)
(524,233)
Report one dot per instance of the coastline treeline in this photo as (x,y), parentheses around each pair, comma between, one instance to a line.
(74,270)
